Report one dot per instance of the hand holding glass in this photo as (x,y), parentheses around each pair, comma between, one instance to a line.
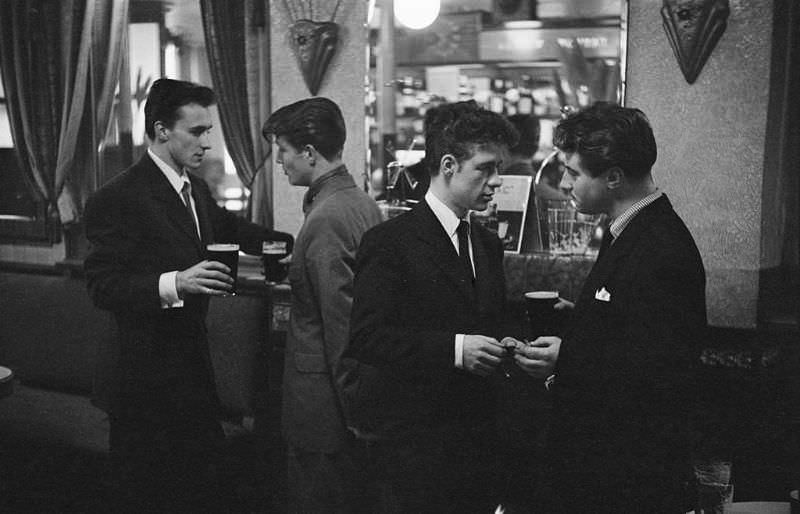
(227,254)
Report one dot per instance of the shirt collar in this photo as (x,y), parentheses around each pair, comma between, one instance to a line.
(443,213)
(317,186)
(176,179)
(619,224)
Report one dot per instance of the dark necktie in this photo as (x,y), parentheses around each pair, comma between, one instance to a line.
(186,194)
(608,238)
(463,247)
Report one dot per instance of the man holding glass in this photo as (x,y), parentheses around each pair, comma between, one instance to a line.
(149,228)
(622,376)
(428,294)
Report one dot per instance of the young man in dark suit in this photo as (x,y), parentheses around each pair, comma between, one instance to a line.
(623,373)
(429,292)
(149,228)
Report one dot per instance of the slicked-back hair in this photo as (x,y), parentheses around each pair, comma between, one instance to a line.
(460,128)
(314,121)
(166,96)
(606,135)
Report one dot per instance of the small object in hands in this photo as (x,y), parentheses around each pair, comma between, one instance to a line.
(543,318)
(509,344)
(227,254)
(275,268)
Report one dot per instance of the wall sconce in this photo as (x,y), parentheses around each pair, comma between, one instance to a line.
(314,42)
(693,28)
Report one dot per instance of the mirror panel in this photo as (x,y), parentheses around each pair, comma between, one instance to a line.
(531,58)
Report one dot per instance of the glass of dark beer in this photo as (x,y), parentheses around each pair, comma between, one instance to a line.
(227,254)
(543,318)
(273,252)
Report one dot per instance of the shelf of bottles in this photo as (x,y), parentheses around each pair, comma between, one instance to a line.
(505,90)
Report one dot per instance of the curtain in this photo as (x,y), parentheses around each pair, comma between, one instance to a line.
(60,66)
(236,45)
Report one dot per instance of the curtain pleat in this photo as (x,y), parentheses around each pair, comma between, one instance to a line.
(231,42)
(111,32)
(28,33)
(48,53)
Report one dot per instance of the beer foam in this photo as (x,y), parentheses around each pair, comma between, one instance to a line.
(542,295)
(273,247)
(223,247)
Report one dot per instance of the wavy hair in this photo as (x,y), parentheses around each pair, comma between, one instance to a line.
(462,127)
(606,135)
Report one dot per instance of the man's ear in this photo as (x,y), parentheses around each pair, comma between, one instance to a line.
(615,177)
(160,131)
(310,154)
(448,164)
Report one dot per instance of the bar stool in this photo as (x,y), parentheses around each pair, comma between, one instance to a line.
(6,382)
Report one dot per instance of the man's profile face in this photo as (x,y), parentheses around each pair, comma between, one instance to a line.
(188,140)
(473,184)
(294,162)
(589,195)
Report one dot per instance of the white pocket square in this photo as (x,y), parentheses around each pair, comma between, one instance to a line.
(602,295)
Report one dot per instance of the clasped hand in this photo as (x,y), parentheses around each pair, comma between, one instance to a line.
(483,354)
(205,277)
(537,358)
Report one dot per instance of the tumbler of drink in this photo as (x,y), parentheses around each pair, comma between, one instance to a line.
(273,252)
(543,318)
(227,254)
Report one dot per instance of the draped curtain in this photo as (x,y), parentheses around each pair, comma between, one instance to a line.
(60,67)
(236,45)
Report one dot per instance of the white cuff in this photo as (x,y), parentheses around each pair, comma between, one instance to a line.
(168,290)
(460,351)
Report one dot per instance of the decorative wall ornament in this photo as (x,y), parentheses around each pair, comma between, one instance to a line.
(314,42)
(693,28)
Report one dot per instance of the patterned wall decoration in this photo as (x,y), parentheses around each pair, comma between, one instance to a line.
(693,28)
(711,144)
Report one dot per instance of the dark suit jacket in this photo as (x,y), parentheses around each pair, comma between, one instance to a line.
(626,367)
(411,297)
(139,228)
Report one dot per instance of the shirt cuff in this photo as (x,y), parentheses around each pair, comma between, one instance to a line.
(460,351)
(168,290)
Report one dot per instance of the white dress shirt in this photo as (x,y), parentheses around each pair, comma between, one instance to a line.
(167,287)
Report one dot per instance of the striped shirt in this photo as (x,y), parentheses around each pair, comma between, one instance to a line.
(619,224)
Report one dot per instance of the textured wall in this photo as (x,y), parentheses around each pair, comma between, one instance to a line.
(711,138)
(343,83)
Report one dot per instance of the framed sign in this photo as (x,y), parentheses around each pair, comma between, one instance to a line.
(512,209)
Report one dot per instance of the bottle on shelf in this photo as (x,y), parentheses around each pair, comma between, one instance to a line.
(525,104)
(497,97)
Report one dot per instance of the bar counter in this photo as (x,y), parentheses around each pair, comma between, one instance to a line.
(524,272)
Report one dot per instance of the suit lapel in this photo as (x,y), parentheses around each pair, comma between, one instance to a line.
(609,261)
(440,250)
(170,203)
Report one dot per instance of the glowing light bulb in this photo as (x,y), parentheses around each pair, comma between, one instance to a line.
(416,14)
